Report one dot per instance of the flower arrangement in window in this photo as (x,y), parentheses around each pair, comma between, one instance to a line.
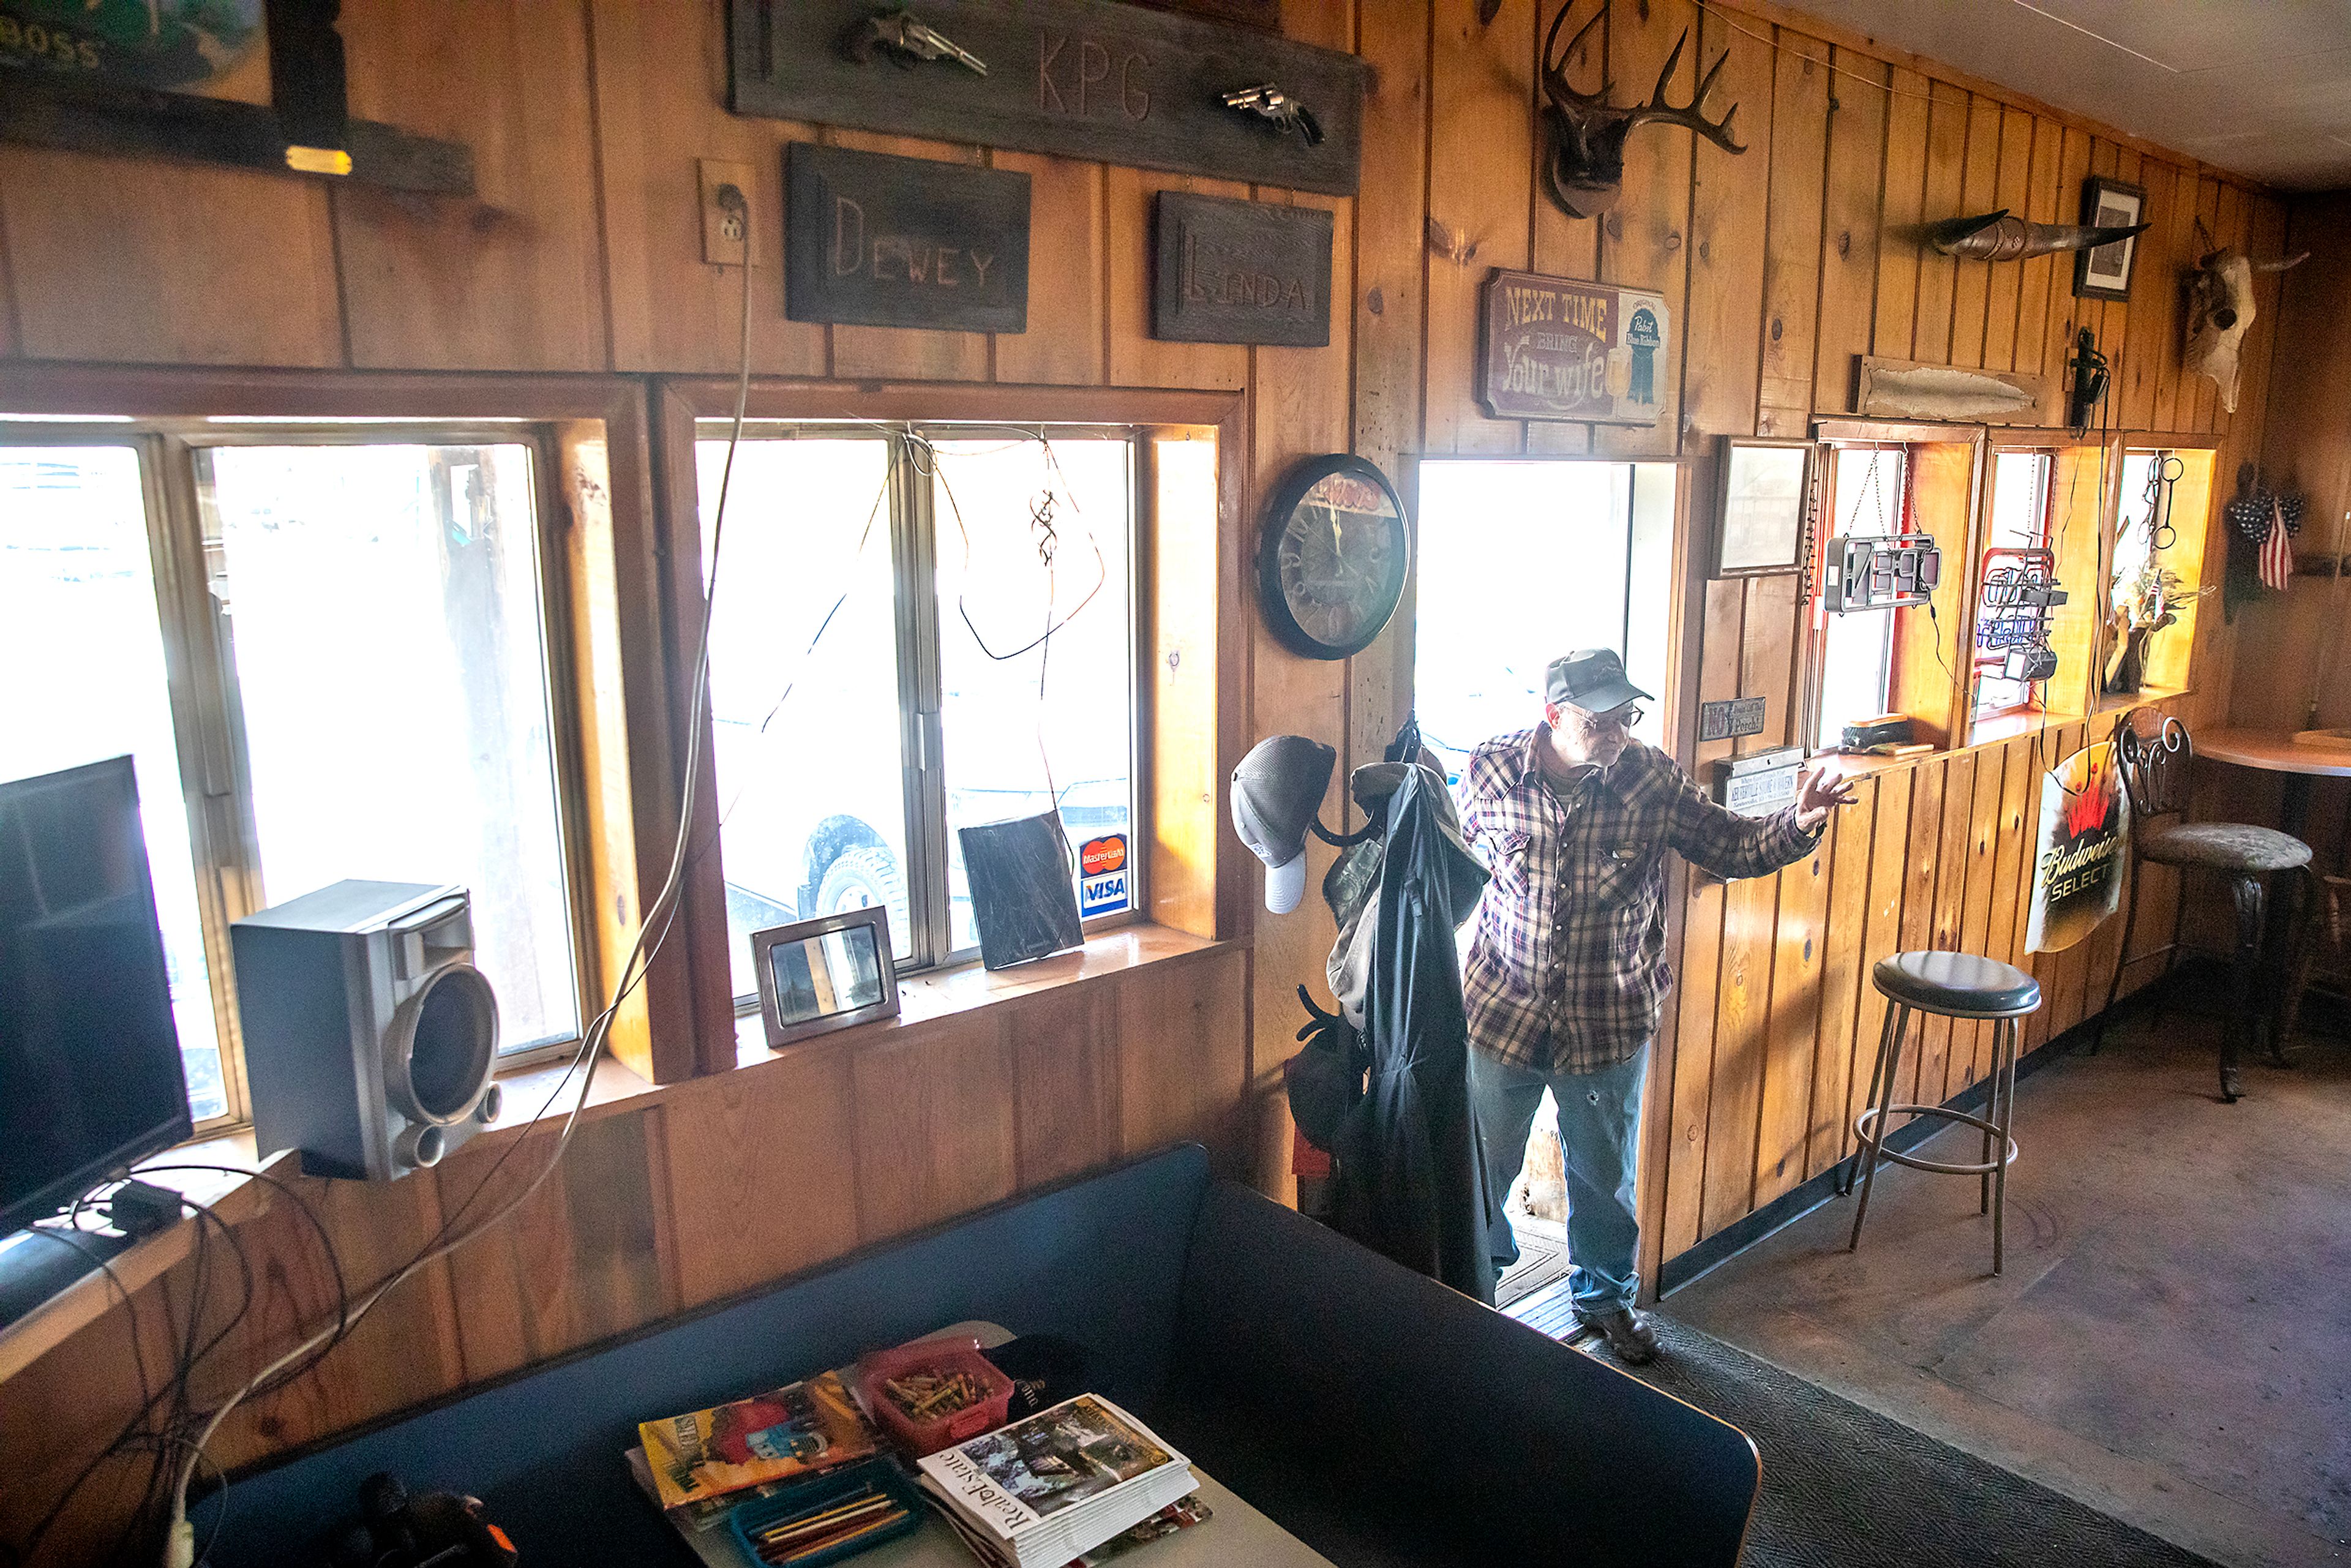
(2146,601)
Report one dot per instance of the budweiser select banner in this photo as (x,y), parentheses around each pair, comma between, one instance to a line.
(2077,877)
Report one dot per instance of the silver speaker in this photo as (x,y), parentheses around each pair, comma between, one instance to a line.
(369,1034)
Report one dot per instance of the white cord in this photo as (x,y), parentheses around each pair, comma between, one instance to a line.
(179,1540)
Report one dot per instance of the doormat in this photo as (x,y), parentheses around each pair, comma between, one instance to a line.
(1543,1260)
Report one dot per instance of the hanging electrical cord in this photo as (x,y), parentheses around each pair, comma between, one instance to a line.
(179,1550)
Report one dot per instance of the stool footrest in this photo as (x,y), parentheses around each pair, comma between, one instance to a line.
(1867,1119)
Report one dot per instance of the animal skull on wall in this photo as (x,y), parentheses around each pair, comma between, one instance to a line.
(2220,309)
(1585,166)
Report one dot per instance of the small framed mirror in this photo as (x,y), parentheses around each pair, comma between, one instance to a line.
(816,976)
(1759,525)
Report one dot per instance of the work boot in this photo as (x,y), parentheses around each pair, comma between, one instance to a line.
(1629,1333)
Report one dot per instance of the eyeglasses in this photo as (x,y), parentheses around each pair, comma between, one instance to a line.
(1625,717)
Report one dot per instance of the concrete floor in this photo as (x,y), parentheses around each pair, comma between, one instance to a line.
(2171,1340)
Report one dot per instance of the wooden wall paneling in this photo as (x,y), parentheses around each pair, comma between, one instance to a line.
(1926,837)
(1889,854)
(1792,245)
(788,1126)
(1970,1045)
(513,278)
(1946,167)
(1390,299)
(1188,708)
(1900,253)
(1930,650)
(1972,289)
(2124,163)
(1845,959)
(1182,1051)
(2157,277)
(1065,1063)
(2208,392)
(935,1124)
(1767,659)
(1850,226)
(2019,778)
(1136,358)
(1954,859)
(1793,1035)
(1721,649)
(1067,340)
(659,94)
(580,1261)
(1694,1033)
(1643,238)
(1481,158)
(1741,1037)
(2014,193)
(2067,316)
(176,264)
(907,354)
(1560,245)
(2038,274)
(1300,411)
(1728,197)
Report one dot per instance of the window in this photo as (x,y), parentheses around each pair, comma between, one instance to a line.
(917,629)
(1867,492)
(2136,506)
(2019,567)
(328,656)
(1532,558)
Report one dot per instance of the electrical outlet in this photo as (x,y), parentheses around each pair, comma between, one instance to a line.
(727,237)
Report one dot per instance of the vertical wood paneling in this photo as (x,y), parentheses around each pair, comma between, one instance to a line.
(899,353)
(1742,1017)
(1927,787)
(2155,273)
(1970,1050)
(1844,966)
(1643,238)
(1889,852)
(1481,152)
(1181,1067)
(1850,226)
(1135,358)
(2067,316)
(2014,194)
(1694,1037)
(1792,242)
(1794,1029)
(935,1124)
(2040,272)
(1978,193)
(1728,201)
(1952,859)
(1900,252)
(1947,168)
(1065,342)
(1065,1063)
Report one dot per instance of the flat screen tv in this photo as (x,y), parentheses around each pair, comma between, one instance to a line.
(91,1079)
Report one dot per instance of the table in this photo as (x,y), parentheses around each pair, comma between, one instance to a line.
(2275,751)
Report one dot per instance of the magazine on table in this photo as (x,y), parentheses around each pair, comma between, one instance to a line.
(798,1429)
(1050,1487)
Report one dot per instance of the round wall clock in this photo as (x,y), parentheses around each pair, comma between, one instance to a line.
(1332,565)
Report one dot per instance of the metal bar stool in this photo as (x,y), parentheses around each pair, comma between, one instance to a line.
(1955,985)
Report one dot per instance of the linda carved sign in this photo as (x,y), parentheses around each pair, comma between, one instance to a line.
(1559,349)
(1240,272)
(881,241)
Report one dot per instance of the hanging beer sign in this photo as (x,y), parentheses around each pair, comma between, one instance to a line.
(2077,874)
(1558,349)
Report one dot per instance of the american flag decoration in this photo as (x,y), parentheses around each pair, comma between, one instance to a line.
(2277,549)
(2268,522)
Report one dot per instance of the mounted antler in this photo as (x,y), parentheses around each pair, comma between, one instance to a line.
(1585,170)
(2220,309)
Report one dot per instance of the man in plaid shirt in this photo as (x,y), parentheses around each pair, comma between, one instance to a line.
(1567,975)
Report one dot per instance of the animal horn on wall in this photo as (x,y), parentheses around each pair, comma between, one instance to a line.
(2001,236)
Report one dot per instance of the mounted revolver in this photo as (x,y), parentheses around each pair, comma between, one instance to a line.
(1585,166)
(1285,113)
(908,41)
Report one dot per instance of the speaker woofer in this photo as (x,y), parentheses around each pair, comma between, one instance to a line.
(442,1044)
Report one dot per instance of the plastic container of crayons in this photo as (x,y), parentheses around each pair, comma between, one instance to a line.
(934,1394)
(828,1517)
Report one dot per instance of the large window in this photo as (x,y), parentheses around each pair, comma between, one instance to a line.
(328,656)
(1522,560)
(1866,497)
(917,629)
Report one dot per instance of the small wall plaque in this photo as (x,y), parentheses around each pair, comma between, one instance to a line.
(1556,348)
(1240,272)
(875,240)
(1731,719)
(1759,783)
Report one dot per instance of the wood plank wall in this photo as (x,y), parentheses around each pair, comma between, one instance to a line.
(586,117)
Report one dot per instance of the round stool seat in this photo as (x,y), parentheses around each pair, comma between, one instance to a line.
(2223,846)
(1958,985)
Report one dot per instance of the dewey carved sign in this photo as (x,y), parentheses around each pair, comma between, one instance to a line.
(879,241)
(1240,272)
(1558,349)
(1085,78)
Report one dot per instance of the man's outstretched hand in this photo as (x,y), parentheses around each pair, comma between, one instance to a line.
(1818,790)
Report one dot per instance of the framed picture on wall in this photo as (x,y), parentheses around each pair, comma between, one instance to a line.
(1760,524)
(2106,273)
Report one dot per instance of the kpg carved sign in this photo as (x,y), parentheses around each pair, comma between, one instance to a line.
(879,241)
(1084,79)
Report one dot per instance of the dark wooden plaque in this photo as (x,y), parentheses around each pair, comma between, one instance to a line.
(1240,272)
(878,241)
(1085,78)
(1558,347)
(1731,719)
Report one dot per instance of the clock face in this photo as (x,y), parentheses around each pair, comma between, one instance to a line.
(1337,565)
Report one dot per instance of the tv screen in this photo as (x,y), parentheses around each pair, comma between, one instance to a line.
(89,1059)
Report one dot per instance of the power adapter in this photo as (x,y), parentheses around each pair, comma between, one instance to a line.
(141,1209)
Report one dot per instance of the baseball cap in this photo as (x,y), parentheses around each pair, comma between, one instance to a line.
(1277,790)
(1591,679)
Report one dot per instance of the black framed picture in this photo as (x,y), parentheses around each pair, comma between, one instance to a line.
(2106,273)
(1760,524)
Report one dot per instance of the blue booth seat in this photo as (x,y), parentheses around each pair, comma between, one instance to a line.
(1377,1416)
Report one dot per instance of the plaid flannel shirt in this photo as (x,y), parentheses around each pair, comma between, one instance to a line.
(1567,971)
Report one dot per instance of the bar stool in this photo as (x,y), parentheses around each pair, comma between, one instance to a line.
(1954,986)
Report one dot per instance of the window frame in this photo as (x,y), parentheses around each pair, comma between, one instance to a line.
(1986,540)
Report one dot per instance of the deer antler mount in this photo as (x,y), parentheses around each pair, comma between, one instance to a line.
(1584,165)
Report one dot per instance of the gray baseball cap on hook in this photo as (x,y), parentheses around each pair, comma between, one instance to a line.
(1277,790)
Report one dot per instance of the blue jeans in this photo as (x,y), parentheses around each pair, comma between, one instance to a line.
(1599,1133)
